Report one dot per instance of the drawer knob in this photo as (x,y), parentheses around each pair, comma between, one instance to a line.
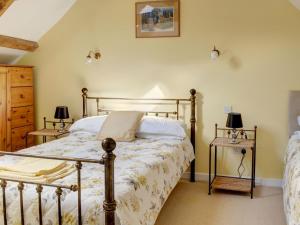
(23,117)
(22,76)
(21,96)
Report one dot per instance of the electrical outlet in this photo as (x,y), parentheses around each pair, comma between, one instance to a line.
(227,109)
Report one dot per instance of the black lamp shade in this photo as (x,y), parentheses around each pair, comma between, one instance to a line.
(234,120)
(61,112)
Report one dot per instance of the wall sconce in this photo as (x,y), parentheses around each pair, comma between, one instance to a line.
(93,55)
(215,53)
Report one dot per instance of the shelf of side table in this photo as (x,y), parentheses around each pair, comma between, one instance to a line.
(47,133)
(227,182)
(232,184)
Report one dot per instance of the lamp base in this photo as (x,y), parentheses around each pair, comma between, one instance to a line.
(234,141)
(62,127)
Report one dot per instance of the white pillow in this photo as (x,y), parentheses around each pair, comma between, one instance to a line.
(90,124)
(120,125)
(159,126)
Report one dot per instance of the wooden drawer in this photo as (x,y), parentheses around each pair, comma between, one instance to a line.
(18,138)
(21,96)
(21,116)
(21,77)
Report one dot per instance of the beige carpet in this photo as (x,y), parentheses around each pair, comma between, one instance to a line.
(189,204)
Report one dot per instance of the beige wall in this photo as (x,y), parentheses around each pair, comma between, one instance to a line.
(260,44)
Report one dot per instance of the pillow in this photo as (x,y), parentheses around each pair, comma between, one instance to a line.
(151,125)
(298,119)
(90,124)
(120,125)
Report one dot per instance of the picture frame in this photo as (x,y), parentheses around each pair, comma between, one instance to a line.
(157,19)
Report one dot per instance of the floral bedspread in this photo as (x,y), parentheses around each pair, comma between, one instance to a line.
(291,185)
(146,171)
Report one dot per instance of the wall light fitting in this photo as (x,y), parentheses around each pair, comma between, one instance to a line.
(93,56)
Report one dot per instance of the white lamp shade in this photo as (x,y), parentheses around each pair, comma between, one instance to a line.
(214,54)
(88,60)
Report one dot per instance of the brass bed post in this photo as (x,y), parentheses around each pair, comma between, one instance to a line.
(39,190)
(193,130)
(84,102)
(3,186)
(109,204)
(79,167)
(21,188)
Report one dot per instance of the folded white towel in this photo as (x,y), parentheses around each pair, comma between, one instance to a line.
(35,167)
(37,170)
(49,178)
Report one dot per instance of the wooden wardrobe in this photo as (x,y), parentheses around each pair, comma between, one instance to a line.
(16,107)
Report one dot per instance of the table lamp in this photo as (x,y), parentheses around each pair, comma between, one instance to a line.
(234,121)
(61,113)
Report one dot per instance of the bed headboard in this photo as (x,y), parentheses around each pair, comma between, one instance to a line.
(294,111)
(176,102)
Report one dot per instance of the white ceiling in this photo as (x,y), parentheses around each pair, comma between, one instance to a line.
(296,3)
(30,19)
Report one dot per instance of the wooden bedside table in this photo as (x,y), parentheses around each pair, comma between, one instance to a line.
(50,132)
(227,182)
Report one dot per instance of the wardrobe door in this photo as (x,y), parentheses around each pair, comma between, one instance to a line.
(3,108)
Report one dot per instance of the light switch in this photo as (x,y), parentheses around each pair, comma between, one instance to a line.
(227,109)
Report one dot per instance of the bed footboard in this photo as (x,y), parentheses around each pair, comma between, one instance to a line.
(109,204)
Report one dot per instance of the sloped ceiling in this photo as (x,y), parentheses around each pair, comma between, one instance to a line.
(296,3)
(30,19)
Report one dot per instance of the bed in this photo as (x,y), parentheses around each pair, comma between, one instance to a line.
(125,183)
(291,182)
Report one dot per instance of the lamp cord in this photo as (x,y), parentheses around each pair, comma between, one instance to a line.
(241,166)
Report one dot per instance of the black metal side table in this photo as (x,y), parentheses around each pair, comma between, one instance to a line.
(243,142)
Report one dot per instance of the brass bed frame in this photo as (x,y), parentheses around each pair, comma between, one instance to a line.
(108,145)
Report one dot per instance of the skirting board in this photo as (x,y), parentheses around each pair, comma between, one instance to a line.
(259,181)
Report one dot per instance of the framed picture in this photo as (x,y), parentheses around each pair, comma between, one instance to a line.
(157,19)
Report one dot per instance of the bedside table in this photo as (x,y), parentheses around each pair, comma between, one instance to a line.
(47,133)
(50,132)
(226,182)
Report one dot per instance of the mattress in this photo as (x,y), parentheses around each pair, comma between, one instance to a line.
(291,182)
(146,171)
